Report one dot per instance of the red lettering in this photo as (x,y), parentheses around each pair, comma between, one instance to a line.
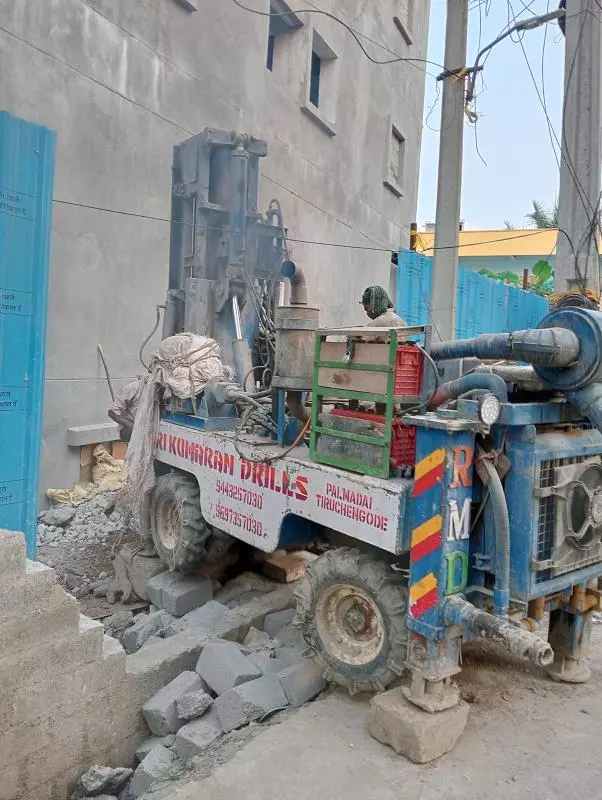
(257,473)
(301,493)
(209,457)
(172,444)
(245,469)
(181,447)
(462,465)
(228,463)
(218,464)
(286,485)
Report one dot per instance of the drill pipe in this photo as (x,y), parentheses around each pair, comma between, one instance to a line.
(517,641)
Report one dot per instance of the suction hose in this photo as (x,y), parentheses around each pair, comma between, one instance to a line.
(468,383)
(501,524)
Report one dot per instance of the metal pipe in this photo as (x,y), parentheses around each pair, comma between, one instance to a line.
(524,377)
(468,383)
(588,403)
(501,524)
(515,640)
(550,347)
(237,320)
(298,283)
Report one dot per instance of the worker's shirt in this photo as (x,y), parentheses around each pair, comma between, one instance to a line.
(388,320)
(128,399)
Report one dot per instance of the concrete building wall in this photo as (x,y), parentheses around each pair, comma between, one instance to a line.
(122,82)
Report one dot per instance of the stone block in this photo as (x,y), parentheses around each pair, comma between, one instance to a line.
(145,626)
(275,622)
(53,614)
(160,710)
(100,780)
(211,620)
(178,594)
(256,640)
(147,745)
(253,613)
(249,701)
(193,705)
(302,682)
(290,655)
(118,623)
(412,732)
(133,571)
(291,636)
(155,766)
(38,581)
(153,666)
(12,555)
(267,664)
(197,736)
(222,666)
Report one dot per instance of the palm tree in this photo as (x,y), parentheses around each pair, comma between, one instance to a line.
(541,217)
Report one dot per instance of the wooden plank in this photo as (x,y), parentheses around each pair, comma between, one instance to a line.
(120,450)
(287,567)
(356,380)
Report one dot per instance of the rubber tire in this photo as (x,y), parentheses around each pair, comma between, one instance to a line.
(389,592)
(191,547)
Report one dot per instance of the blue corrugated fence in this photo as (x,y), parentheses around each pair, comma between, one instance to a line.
(483,305)
(26,176)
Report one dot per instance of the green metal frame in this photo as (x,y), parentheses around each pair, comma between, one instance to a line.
(388,399)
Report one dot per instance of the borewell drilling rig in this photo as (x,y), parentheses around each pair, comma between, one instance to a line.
(465,510)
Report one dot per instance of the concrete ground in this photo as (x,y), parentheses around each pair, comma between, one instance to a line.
(526,737)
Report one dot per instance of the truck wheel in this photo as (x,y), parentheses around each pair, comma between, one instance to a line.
(180,534)
(351,608)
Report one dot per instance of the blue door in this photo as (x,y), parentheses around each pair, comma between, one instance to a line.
(26,177)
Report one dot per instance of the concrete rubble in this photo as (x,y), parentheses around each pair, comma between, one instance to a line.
(99,780)
(78,526)
(232,663)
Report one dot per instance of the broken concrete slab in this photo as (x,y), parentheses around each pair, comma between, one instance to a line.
(302,682)
(147,745)
(101,780)
(412,732)
(155,766)
(58,516)
(242,588)
(222,666)
(118,623)
(249,701)
(178,594)
(257,640)
(145,626)
(160,710)
(275,622)
(193,705)
(195,737)
(212,619)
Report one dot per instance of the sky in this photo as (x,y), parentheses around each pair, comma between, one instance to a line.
(512,132)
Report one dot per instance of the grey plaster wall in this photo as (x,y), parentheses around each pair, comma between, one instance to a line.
(122,82)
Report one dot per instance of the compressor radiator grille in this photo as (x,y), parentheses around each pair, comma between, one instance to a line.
(547,530)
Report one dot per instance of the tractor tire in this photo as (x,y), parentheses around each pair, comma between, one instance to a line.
(180,534)
(351,609)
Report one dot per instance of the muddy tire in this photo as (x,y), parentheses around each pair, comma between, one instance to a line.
(180,534)
(351,609)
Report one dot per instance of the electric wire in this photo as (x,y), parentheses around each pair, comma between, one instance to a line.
(354,33)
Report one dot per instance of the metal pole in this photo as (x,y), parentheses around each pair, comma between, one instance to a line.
(445,257)
(579,194)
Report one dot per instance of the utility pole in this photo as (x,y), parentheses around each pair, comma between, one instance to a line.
(449,185)
(578,202)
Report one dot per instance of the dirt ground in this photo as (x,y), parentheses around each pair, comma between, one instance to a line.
(526,737)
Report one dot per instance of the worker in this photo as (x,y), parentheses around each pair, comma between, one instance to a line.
(378,306)
(125,405)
